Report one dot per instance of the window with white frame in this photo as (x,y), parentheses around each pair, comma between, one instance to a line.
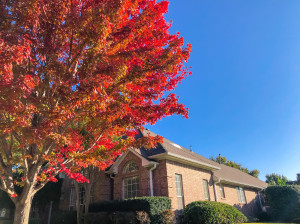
(222,192)
(206,190)
(130,167)
(179,191)
(241,195)
(92,195)
(72,199)
(81,195)
(131,187)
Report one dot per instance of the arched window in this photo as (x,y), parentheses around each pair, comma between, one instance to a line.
(130,167)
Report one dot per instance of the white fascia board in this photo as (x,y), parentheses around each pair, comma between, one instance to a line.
(236,183)
(184,160)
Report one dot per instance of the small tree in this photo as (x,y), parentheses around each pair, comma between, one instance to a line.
(276,179)
(284,202)
(83,198)
(103,65)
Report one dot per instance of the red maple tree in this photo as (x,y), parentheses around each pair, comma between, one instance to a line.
(68,67)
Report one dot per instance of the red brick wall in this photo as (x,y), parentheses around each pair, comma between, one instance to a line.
(192,179)
(101,190)
(231,198)
(164,185)
(65,194)
(102,187)
(160,183)
(143,174)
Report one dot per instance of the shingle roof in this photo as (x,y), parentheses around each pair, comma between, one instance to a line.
(225,173)
(171,147)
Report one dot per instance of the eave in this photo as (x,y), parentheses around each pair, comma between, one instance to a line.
(236,183)
(184,160)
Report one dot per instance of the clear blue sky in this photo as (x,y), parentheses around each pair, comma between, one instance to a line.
(244,93)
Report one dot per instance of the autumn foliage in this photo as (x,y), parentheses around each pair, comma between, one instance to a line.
(75,76)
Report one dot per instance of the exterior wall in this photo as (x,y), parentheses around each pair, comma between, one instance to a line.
(143,173)
(65,194)
(193,188)
(160,176)
(164,184)
(252,207)
(101,189)
(231,198)
(191,180)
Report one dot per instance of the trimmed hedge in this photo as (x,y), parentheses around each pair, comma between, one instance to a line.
(211,212)
(284,202)
(63,217)
(152,205)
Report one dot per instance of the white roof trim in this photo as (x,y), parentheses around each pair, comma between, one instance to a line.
(181,159)
(115,166)
(236,183)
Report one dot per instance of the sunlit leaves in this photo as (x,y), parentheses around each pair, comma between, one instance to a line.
(77,75)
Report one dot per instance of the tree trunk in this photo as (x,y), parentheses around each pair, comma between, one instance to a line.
(87,202)
(78,209)
(22,212)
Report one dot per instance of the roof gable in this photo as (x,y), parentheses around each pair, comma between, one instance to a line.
(115,166)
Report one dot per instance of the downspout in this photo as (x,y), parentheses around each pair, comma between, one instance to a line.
(215,188)
(261,206)
(50,212)
(151,178)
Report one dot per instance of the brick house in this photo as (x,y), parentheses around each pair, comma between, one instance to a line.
(176,172)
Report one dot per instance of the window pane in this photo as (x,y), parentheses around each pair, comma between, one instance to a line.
(222,193)
(72,199)
(238,194)
(206,191)
(179,191)
(243,197)
(180,202)
(131,187)
(130,167)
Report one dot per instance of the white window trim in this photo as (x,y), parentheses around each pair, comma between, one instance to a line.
(241,195)
(123,187)
(205,183)
(222,191)
(179,197)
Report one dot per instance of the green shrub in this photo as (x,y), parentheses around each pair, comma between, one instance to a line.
(152,205)
(35,221)
(63,217)
(167,216)
(264,217)
(284,202)
(211,212)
